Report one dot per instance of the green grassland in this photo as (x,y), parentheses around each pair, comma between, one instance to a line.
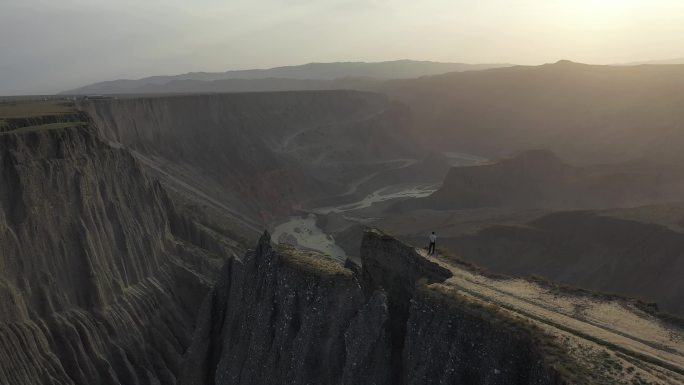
(27,109)
(35,109)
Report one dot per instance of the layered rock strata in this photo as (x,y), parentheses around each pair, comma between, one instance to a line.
(100,278)
(284,316)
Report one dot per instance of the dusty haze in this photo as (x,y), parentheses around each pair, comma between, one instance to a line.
(50,46)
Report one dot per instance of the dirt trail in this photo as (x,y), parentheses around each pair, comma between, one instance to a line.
(611,324)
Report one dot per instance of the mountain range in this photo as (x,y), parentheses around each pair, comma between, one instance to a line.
(584,113)
(306,76)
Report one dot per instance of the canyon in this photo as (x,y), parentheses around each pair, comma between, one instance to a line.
(134,251)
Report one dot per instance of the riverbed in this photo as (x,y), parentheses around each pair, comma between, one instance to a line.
(302,230)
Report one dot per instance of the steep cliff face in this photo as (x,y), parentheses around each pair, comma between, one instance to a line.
(68,195)
(287,317)
(99,276)
(277,318)
(259,152)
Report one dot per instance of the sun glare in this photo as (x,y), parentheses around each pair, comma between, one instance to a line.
(614,7)
(601,13)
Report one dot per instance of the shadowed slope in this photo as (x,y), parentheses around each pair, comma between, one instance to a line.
(539,179)
(584,113)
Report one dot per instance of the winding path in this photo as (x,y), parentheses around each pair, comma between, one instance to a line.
(610,323)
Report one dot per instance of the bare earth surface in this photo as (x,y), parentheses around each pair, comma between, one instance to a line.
(610,335)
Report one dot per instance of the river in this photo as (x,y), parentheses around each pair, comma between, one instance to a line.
(302,230)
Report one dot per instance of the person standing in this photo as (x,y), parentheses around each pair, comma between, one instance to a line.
(433,243)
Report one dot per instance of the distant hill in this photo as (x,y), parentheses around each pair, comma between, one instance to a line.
(256,85)
(540,180)
(279,78)
(596,250)
(679,60)
(584,113)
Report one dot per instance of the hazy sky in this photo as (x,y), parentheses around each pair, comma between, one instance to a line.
(52,45)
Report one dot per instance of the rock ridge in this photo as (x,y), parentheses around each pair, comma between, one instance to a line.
(100,278)
(270,321)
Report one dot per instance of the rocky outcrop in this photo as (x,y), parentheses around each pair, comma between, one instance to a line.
(279,317)
(450,342)
(99,283)
(288,317)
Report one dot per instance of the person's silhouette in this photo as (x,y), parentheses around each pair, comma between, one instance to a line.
(433,242)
